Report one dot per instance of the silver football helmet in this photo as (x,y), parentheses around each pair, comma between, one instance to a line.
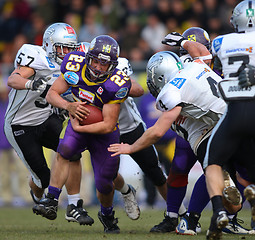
(61,35)
(161,67)
(243,17)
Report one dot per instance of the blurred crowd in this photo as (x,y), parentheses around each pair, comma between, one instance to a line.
(137,25)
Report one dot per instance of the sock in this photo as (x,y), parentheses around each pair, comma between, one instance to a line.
(106,210)
(217,203)
(125,189)
(54,191)
(172,214)
(182,210)
(199,197)
(174,198)
(73,199)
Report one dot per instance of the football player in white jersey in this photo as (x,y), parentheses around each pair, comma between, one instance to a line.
(200,198)
(191,93)
(29,122)
(234,51)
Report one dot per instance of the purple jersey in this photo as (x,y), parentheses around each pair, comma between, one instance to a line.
(114,89)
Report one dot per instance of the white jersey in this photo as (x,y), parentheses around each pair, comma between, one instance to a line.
(129,117)
(195,89)
(27,107)
(233,50)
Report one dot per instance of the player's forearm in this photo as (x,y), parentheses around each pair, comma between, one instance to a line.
(196,49)
(16,81)
(149,137)
(56,100)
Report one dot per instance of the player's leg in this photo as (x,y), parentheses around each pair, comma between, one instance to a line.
(217,156)
(75,211)
(129,196)
(183,161)
(105,171)
(70,144)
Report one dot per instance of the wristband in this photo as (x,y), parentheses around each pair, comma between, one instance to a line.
(28,84)
(183,42)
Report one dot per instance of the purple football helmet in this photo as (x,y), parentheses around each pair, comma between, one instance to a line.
(196,34)
(105,50)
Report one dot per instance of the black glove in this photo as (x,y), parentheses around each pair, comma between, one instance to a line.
(173,39)
(38,85)
(246,77)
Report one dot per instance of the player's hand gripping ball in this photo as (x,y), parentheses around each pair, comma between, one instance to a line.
(94,116)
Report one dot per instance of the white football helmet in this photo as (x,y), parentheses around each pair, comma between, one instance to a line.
(161,67)
(62,35)
(243,17)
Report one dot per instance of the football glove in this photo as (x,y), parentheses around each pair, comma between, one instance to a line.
(246,77)
(38,85)
(173,39)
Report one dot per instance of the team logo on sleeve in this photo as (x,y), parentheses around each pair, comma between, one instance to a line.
(178,82)
(217,43)
(122,93)
(71,77)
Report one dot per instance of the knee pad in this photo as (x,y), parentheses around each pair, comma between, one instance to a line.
(177,179)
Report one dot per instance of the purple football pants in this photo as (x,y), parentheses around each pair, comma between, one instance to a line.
(105,167)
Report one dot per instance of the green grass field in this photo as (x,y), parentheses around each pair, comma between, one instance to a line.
(21,223)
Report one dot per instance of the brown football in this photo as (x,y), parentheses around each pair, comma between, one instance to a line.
(94,116)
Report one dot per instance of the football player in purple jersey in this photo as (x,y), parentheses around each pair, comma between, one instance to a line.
(97,81)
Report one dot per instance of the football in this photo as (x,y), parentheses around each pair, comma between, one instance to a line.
(94,116)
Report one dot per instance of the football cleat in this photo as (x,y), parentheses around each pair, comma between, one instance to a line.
(130,203)
(188,224)
(47,207)
(249,193)
(219,221)
(234,227)
(78,214)
(167,225)
(109,223)
(232,195)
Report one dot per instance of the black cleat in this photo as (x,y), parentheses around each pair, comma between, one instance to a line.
(78,214)
(167,225)
(219,221)
(109,223)
(47,207)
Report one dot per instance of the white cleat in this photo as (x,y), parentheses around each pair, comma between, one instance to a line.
(131,206)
